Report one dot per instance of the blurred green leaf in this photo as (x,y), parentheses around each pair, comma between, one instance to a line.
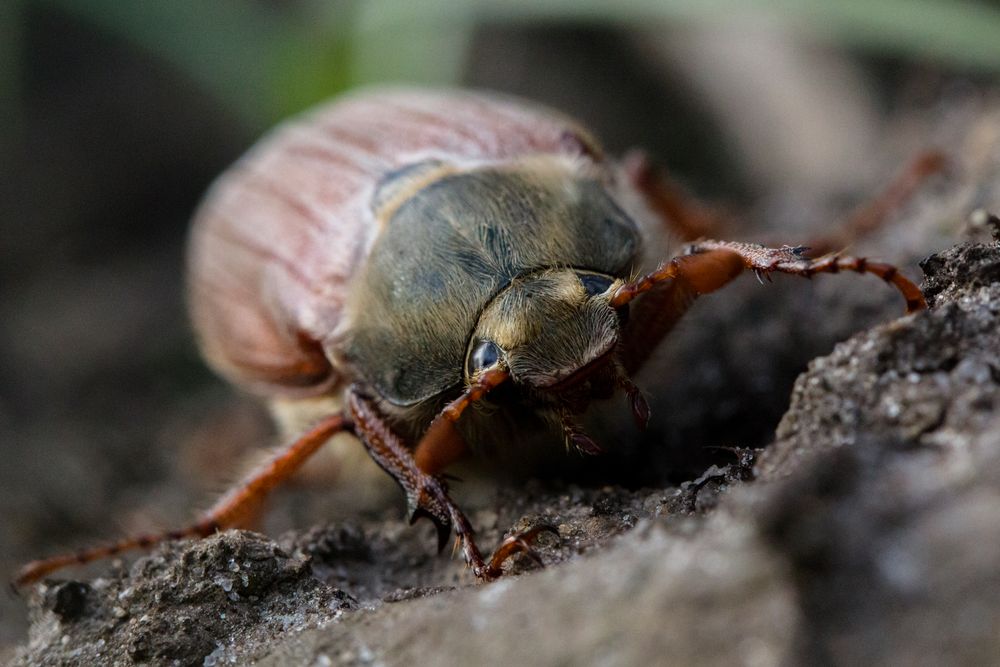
(395,41)
(267,61)
(955,32)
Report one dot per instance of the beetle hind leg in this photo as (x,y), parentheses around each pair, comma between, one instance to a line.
(690,219)
(873,214)
(232,510)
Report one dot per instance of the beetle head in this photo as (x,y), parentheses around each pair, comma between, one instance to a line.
(553,334)
(552,330)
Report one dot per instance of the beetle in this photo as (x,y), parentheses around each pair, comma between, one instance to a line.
(452,272)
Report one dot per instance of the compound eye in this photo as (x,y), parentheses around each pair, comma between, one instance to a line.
(484,355)
(595,284)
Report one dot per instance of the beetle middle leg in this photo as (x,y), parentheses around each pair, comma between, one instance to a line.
(426,492)
(682,214)
(690,220)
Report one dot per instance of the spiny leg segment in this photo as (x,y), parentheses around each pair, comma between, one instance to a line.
(426,491)
(708,265)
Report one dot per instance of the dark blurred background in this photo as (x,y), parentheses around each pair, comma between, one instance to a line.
(116,116)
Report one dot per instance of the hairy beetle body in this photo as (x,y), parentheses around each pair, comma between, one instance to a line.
(363,241)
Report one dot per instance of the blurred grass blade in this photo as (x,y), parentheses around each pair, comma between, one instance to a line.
(395,41)
(955,32)
(267,61)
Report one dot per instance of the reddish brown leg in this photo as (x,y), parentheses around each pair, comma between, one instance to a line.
(667,299)
(764,261)
(426,492)
(708,266)
(873,214)
(682,214)
(230,511)
(692,220)
(671,290)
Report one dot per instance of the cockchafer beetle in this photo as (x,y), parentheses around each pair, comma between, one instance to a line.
(420,255)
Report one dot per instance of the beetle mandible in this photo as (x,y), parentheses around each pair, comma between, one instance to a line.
(417,255)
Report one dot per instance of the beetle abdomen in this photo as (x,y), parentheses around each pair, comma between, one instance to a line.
(281,235)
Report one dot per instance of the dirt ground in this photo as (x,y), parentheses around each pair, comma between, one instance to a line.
(866,534)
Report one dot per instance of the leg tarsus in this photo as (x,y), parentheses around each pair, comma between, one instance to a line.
(515,544)
(790,259)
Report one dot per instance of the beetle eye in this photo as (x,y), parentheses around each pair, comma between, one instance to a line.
(484,355)
(595,284)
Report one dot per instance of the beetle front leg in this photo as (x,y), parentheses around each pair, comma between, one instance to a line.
(426,492)
(793,260)
(710,265)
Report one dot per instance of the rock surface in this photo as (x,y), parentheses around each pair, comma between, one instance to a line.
(187,603)
(867,533)
(884,481)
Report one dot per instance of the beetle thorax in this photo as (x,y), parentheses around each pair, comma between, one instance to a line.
(482,253)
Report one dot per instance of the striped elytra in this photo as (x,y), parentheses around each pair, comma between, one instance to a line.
(279,244)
